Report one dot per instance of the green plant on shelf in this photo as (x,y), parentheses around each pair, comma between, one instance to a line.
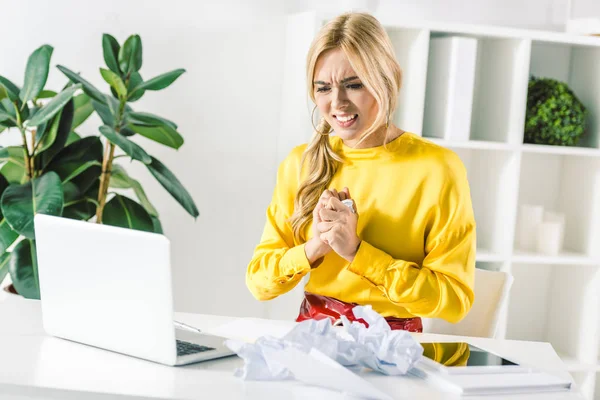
(57,172)
(555,116)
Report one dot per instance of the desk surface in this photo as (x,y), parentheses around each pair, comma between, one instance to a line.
(35,366)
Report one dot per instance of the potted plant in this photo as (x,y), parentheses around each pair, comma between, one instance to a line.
(555,116)
(57,172)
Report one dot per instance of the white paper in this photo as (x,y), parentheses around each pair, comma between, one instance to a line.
(354,346)
(315,368)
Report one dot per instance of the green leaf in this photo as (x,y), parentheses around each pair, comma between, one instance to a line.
(104,113)
(83,109)
(46,94)
(173,186)
(157,224)
(87,87)
(119,179)
(36,73)
(54,106)
(114,81)
(73,137)
(48,138)
(11,89)
(129,147)
(23,270)
(71,158)
(161,134)
(135,80)
(110,48)
(84,207)
(7,235)
(14,173)
(20,203)
(62,133)
(130,55)
(159,82)
(143,118)
(126,213)
(7,115)
(4,259)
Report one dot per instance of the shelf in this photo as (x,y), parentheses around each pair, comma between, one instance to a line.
(393,21)
(484,255)
(472,144)
(563,258)
(564,150)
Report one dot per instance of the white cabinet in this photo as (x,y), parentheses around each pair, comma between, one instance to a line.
(554,298)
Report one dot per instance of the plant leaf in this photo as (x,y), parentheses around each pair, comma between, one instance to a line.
(126,213)
(121,180)
(158,82)
(7,235)
(46,94)
(73,156)
(104,113)
(83,109)
(54,106)
(87,87)
(22,271)
(130,55)
(62,133)
(11,89)
(4,259)
(161,134)
(73,137)
(14,169)
(173,186)
(36,73)
(114,81)
(129,147)
(134,80)
(110,48)
(157,224)
(84,207)
(20,203)
(143,118)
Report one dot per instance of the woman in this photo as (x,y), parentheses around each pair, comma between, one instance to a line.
(406,246)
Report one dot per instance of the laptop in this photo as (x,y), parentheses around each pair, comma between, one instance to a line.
(110,287)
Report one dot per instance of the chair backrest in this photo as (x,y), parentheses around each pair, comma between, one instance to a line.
(491,293)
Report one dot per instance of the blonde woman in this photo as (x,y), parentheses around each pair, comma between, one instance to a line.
(406,245)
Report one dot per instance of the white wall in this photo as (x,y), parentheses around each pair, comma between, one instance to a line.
(227,107)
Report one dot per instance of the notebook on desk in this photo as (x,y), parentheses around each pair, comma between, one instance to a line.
(461,368)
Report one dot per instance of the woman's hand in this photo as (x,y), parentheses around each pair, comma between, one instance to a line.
(337,227)
(316,248)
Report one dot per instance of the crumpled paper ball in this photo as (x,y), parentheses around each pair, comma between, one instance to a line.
(377,347)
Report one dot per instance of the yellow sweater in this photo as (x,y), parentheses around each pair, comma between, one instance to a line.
(417,255)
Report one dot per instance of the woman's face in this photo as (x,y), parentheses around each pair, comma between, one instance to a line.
(342,98)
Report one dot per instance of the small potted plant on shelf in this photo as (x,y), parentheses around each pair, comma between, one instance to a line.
(555,116)
(57,172)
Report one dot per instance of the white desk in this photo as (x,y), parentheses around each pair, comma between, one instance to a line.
(35,366)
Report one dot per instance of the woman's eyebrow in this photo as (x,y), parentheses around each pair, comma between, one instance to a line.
(351,78)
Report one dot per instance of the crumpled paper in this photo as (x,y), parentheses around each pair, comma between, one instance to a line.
(378,347)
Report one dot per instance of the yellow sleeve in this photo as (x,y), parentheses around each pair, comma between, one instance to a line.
(442,287)
(449,354)
(277,264)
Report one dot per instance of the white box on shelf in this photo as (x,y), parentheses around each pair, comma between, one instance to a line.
(530,218)
(450,85)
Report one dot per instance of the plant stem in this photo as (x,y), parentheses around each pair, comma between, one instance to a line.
(109,154)
(26,153)
(32,157)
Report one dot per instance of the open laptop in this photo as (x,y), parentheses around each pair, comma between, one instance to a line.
(110,287)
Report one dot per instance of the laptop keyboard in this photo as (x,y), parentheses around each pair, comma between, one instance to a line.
(185,348)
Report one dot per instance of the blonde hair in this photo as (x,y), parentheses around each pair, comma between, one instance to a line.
(370,52)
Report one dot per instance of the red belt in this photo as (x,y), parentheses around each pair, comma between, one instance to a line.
(319,307)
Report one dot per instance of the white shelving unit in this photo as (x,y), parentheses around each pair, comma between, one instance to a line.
(554,298)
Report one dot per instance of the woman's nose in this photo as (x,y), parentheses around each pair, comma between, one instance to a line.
(339,100)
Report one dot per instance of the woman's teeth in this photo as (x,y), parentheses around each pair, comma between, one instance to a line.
(346,119)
